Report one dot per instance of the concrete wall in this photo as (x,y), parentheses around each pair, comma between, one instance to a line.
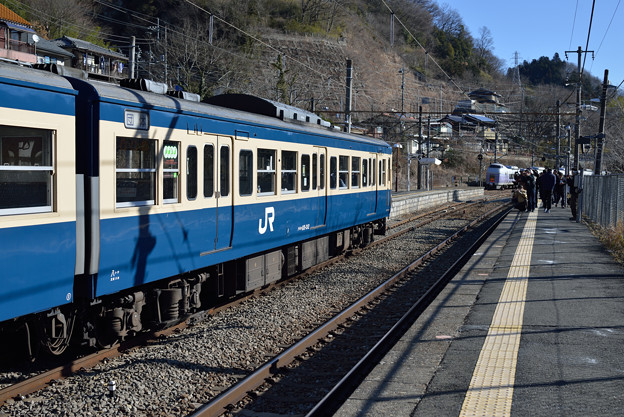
(405,203)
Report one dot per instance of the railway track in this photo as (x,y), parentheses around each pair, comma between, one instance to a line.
(81,368)
(283,385)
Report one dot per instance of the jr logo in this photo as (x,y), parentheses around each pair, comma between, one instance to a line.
(269,216)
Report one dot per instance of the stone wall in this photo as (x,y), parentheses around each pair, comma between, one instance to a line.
(404,204)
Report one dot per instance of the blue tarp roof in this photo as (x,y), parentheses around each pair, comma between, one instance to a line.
(15,26)
(480,118)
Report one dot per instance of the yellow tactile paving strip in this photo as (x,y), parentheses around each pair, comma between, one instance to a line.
(491,387)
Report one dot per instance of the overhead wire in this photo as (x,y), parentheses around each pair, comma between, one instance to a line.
(591,19)
(573,24)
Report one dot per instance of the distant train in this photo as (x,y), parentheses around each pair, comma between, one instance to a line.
(122,210)
(499,176)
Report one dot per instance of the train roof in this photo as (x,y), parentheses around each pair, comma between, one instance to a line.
(29,76)
(116,94)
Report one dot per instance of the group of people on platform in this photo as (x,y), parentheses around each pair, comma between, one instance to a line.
(549,185)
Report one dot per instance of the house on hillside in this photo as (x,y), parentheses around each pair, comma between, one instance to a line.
(49,52)
(481,100)
(15,37)
(97,61)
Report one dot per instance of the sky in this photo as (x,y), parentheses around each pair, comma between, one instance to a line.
(536,28)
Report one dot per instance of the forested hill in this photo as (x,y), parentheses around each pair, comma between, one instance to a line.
(295,50)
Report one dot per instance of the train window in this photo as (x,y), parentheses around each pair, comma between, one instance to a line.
(372,173)
(333,173)
(208,170)
(364,172)
(135,172)
(314,171)
(266,171)
(355,172)
(289,171)
(191,172)
(224,164)
(305,172)
(26,170)
(245,170)
(383,170)
(380,170)
(343,171)
(171,171)
(322,171)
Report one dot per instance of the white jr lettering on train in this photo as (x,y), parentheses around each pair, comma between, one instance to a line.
(269,216)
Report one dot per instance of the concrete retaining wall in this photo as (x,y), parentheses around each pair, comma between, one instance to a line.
(405,203)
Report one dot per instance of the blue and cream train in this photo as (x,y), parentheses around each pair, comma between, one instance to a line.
(122,209)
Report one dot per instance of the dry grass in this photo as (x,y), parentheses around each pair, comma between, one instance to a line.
(612,238)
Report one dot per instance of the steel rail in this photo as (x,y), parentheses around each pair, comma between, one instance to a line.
(332,401)
(223,402)
(41,381)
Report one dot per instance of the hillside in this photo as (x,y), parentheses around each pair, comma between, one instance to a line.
(295,51)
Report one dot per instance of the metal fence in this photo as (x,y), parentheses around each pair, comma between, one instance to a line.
(603,199)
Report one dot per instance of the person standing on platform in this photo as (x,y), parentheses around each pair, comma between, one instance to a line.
(527,180)
(559,192)
(574,192)
(547,184)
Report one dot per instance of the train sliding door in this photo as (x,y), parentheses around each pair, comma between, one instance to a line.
(225,212)
(319,170)
(218,185)
(372,196)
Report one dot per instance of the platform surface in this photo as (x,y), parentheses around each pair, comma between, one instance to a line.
(533,325)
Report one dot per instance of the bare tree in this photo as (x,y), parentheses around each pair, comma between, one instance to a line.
(56,18)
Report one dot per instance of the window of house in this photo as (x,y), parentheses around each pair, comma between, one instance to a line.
(135,172)
(266,171)
(245,170)
(289,171)
(171,171)
(26,170)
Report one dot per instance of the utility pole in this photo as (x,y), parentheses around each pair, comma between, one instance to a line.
(132,56)
(420,141)
(496,146)
(348,96)
(601,135)
(558,133)
(402,71)
(577,130)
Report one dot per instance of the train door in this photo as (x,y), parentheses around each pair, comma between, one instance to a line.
(373,183)
(319,180)
(224,193)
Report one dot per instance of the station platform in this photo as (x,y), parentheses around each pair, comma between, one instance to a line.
(533,325)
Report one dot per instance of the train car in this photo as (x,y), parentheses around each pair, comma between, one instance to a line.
(499,176)
(175,203)
(38,201)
